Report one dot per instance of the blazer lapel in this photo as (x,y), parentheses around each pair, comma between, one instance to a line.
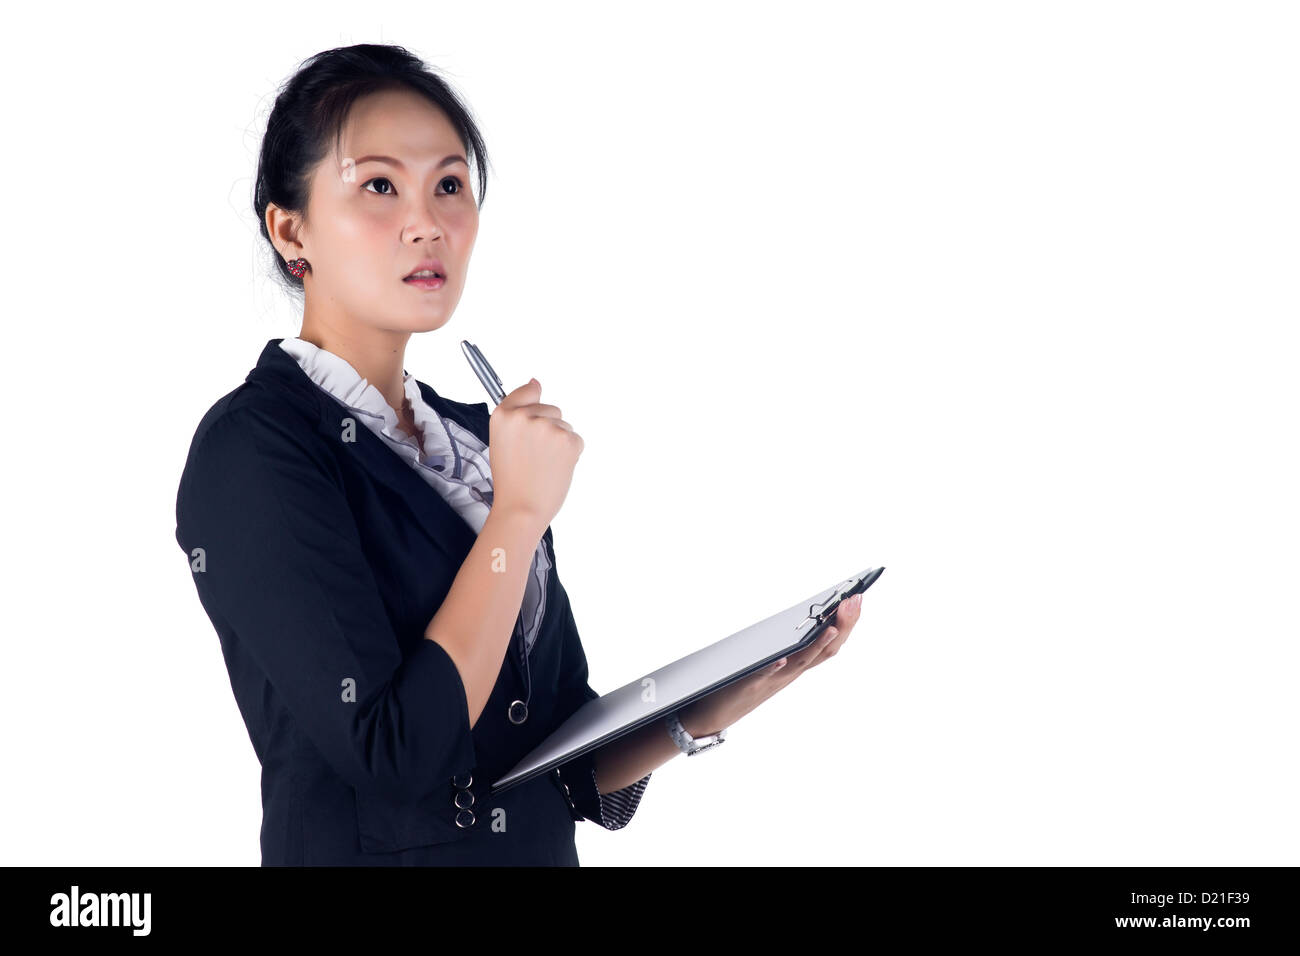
(439,520)
(471,417)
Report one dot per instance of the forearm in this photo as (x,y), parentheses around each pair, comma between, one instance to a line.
(625,761)
(477,618)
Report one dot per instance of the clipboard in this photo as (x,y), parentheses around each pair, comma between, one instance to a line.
(657,695)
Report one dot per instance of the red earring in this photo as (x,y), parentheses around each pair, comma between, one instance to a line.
(297,267)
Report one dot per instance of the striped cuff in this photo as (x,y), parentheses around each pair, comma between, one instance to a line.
(616,808)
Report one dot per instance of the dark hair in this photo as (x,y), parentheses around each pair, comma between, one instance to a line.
(312,109)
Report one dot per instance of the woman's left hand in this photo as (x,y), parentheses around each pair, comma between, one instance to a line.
(723,708)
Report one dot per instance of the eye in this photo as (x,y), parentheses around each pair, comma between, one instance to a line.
(388,192)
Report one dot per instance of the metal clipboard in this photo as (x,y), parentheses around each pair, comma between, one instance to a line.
(604,719)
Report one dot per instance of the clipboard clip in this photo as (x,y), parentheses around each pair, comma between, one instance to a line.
(841,592)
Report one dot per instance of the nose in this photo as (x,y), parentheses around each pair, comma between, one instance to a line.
(423,224)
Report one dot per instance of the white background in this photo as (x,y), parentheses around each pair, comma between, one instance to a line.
(1001,296)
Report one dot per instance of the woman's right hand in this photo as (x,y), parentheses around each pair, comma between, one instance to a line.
(533,452)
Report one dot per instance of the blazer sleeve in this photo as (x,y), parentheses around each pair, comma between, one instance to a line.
(283,570)
(612,810)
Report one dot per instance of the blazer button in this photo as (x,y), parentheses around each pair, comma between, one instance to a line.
(568,797)
(462,780)
(464,800)
(465,819)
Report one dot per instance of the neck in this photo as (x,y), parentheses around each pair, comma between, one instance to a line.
(378,355)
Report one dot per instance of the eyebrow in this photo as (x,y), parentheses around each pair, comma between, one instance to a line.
(398,163)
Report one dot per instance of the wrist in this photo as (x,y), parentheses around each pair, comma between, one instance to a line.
(517,527)
(696,722)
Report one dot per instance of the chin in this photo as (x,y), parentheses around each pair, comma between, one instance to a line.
(427,322)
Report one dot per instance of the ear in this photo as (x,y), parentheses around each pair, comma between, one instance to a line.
(283,227)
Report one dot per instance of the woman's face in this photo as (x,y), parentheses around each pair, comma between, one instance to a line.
(371,222)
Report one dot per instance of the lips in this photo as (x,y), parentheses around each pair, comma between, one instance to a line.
(427,266)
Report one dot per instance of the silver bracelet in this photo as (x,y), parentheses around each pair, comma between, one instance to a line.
(691,745)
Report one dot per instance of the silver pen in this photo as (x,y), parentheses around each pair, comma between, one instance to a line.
(484,372)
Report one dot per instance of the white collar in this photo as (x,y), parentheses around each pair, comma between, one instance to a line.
(336,376)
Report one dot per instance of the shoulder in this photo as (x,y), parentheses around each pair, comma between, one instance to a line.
(258,404)
(253,428)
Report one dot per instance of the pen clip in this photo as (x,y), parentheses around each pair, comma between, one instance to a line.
(486,374)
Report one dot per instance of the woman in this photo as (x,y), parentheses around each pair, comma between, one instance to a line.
(386,597)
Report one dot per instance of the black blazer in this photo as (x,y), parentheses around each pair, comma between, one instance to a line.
(320,562)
